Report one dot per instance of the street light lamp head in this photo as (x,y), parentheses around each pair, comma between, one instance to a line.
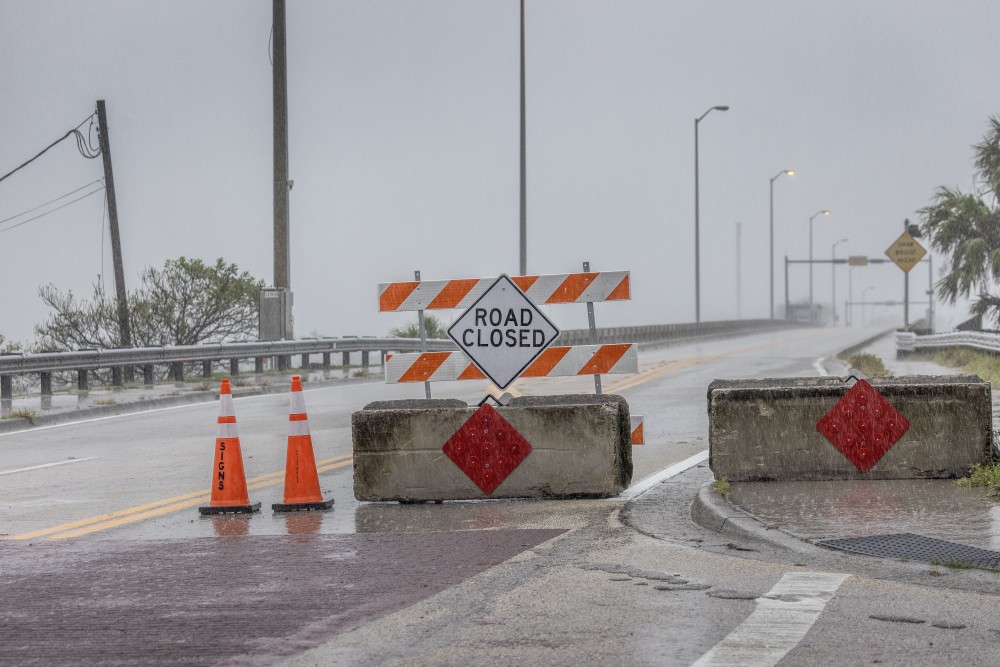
(790,172)
(826,213)
(721,107)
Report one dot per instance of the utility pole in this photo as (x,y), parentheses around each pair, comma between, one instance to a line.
(280,114)
(524,167)
(116,244)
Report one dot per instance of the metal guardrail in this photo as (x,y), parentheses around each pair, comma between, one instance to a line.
(664,333)
(86,361)
(15,364)
(908,342)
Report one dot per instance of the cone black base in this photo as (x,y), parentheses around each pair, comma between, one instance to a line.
(302,507)
(229,509)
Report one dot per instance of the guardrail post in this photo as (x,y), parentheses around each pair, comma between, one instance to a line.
(364,362)
(382,358)
(281,361)
(6,394)
(178,371)
(46,390)
(305,361)
(116,376)
(83,380)
(326,361)
(234,367)
(347,359)
(206,369)
(147,375)
(258,365)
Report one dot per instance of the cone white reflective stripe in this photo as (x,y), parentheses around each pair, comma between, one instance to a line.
(227,417)
(227,430)
(297,403)
(226,407)
(298,426)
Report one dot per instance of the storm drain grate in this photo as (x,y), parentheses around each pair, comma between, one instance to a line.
(916,547)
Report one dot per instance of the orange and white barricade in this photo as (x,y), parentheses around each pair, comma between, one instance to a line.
(587,288)
(541,290)
(559,361)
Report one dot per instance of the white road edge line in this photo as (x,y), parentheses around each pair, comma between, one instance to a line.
(779,622)
(657,477)
(48,465)
(123,415)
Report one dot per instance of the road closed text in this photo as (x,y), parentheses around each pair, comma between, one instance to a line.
(503,327)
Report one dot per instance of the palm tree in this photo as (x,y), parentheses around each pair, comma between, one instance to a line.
(966,227)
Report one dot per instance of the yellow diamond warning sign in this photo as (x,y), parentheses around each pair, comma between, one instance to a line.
(906,252)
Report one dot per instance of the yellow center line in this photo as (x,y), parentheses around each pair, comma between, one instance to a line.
(166,506)
(678,364)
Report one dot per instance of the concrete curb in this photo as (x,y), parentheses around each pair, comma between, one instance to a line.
(710,510)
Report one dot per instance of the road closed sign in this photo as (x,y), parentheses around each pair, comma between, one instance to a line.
(502,332)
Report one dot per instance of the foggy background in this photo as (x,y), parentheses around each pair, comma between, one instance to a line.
(403,144)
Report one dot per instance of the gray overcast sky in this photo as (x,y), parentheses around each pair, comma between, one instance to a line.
(404,142)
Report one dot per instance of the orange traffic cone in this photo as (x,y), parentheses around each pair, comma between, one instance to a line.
(229,482)
(301,479)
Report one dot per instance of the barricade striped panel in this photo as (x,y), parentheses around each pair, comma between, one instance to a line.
(638,434)
(553,362)
(560,288)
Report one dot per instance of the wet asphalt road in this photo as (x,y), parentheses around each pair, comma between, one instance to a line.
(134,576)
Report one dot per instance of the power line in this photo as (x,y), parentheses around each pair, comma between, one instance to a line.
(42,215)
(71,192)
(83,144)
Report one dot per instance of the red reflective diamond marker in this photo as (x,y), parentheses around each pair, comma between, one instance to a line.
(487,448)
(863,425)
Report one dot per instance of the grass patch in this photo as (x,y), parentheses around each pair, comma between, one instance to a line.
(868,364)
(975,362)
(983,475)
(105,401)
(723,486)
(21,413)
(954,564)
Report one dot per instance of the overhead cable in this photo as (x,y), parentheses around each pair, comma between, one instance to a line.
(53,201)
(42,215)
(83,144)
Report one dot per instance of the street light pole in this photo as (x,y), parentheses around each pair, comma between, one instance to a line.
(811,218)
(864,309)
(739,278)
(833,266)
(849,313)
(697,244)
(790,172)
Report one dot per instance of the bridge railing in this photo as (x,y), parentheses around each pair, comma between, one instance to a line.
(908,342)
(85,362)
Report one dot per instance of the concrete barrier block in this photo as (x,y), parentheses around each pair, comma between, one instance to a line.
(761,430)
(581,447)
